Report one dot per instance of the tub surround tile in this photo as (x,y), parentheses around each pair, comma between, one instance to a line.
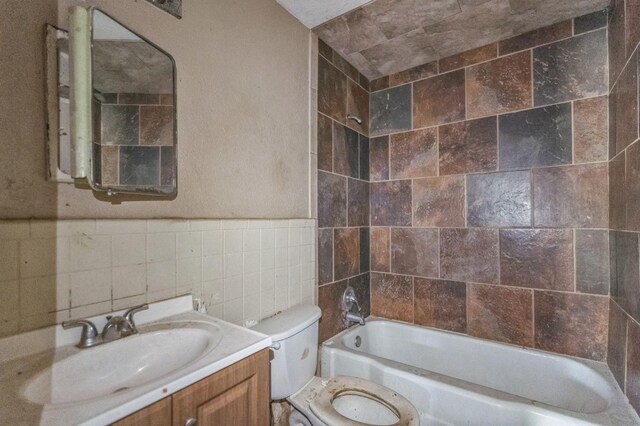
(617,198)
(329,299)
(537,37)
(167,165)
(590,22)
(499,86)
(590,130)
(617,346)
(391,203)
(633,365)
(325,256)
(325,143)
(345,151)
(632,14)
(136,98)
(365,254)
(414,251)
(363,155)
(469,255)
(632,187)
(366,85)
(380,249)
(332,91)
(392,296)
(617,41)
(537,258)
(571,196)
(120,124)
(361,286)
(412,74)
(379,84)
(156,125)
(500,313)
(139,165)
(390,110)
(499,199)
(110,159)
(358,105)
(571,69)
(623,109)
(536,137)
(441,304)
(470,57)
(413,154)
(625,280)
(346,68)
(592,261)
(439,202)
(439,99)
(325,50)
(571,324)
(468,147)
(332,200)
(358,203)
(346,249)
(379,158)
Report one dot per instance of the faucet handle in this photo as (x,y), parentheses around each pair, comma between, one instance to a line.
(89,332)
(129,313)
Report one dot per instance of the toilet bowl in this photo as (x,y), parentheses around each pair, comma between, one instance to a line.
(336,401)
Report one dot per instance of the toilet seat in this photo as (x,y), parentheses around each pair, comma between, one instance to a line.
(322,404)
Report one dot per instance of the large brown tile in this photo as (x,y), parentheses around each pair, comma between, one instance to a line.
(632,14)
(358,203)
(325,143)
(344,66)
(358,105)
(346,252)
(441,304)
(590,130)
(469,255)
(329,301)
(468,147)
(617,56)
(633,365)
(345,151)
(362,288)
(380,249)
(536,37)
(571,196)
(413,154)
(332,91)
(110,156)
(120,124)
(571,324)
(499,199)
(617,198)
(365,245)
(500,313)
(632,187)
(499,86)
(392,296)
(571,69)
(332,200)
(391,203)
(379,158)
(592,261)
(414,251)
(325,50)
(412,74)
(590,22)
(439,100)
(470,57)
(156,125)
(617,343)
(363,157)
(625,280)
(537,258)
(379,84)
(325,255)
(439,202)
(623,107)
(390,110)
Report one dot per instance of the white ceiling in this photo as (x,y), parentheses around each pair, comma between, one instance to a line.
(315,12)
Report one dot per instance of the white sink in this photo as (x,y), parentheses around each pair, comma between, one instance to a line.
(121,365)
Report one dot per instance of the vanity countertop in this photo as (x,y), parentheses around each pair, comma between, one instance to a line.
(17,372)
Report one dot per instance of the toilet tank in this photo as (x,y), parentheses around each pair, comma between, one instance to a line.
(294,333)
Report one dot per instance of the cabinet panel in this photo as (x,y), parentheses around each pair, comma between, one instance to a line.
(158,414)
(238,395)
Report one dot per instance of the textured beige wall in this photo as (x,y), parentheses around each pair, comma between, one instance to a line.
(243,111)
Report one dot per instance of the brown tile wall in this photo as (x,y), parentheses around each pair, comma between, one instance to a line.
(343,188)
(489,194)
(624,197)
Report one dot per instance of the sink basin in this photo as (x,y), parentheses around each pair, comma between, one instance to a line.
(121,365)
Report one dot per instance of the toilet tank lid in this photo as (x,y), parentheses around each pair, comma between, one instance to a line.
(288,322)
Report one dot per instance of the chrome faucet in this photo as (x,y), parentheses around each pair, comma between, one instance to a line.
(116,328)
(348,300)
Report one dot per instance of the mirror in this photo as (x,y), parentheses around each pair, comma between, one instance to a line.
(132,121)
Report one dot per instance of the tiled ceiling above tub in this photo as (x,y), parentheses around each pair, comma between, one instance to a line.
(386,36)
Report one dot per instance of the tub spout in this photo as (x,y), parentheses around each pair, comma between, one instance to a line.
(354,317)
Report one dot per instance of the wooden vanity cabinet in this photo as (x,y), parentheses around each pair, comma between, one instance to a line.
(237,395)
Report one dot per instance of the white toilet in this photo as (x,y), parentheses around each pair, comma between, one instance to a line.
(338,401)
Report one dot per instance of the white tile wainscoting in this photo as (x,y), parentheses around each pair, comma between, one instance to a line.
(244,270)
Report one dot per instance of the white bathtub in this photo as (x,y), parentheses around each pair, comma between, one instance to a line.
(453,379)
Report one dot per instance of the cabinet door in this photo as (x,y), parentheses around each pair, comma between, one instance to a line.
(158,414)
(238,395)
